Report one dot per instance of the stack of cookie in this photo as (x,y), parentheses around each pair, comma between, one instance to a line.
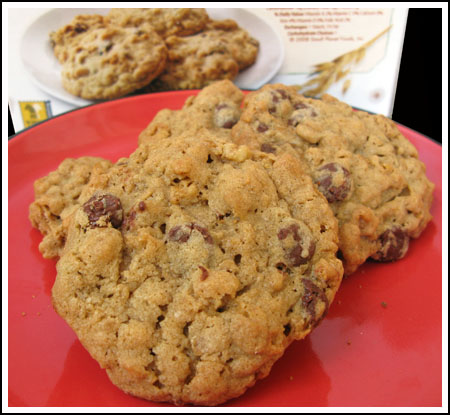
(106,57)
(189,267)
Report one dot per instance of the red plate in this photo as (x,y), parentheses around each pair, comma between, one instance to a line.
(380,345)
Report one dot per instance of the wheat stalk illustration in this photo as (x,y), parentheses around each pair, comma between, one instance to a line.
(327,73)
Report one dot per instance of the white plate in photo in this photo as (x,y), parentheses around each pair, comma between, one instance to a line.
(45,70)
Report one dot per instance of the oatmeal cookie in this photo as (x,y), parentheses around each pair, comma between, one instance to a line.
(215,108)
(166,22)
(369,173)
(190,267)
(110,61)
(69,34)
(240,43)
(218,52)
(56,196)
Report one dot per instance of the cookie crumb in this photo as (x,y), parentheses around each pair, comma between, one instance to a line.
(291,377)
(383,304)
(38,313)
(33,296)
(23,314)
(349,342)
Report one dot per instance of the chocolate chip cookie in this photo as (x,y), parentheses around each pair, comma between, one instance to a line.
(215,108)
(369,173)
(112,61)
(190,266)
(56,196)
(218,52)
(166,22)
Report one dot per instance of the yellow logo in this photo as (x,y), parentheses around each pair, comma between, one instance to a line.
(34,111)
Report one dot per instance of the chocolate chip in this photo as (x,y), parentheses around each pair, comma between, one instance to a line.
(229,124)
(267,148)
(80,28)
(394,245)
(182,233)
(312,293)
(237,259)
(186,328)
(129,220)
(334,182)
(226,116)
(205,233)
(158,321)
(283,93)
(278,95)
(204,273)
(221,216)
(106,205)
(302,110)
(296,254)
(295,119)
(283,233)
(262,128)
(141,206)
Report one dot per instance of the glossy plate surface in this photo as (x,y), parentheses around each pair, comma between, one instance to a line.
(380,344)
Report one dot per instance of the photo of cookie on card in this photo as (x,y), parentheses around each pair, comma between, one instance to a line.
(103,54)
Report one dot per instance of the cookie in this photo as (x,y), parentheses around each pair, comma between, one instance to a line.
(69,34)
(219,52)
(215,108)
(190,267)
(56,196)
(111,61)
(240,43)
(166,22)
(370,174)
